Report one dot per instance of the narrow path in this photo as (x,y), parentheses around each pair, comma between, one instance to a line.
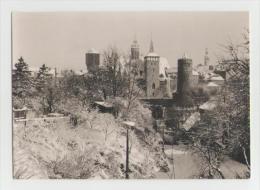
(184,164)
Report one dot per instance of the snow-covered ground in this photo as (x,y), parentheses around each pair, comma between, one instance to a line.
(95,149)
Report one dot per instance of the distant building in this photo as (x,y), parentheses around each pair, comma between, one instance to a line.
(20,113)
(194,78)
(207,67)
(92,60)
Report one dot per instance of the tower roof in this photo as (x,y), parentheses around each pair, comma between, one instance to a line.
(94,51)
(152,54)
(185,56)
(151,51)
(151,47)
(135,44)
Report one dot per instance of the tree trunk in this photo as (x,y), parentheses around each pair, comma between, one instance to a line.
(245,157)
(127,156)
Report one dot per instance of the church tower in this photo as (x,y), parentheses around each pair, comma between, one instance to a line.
(151,61)
(206,57)
(135,50)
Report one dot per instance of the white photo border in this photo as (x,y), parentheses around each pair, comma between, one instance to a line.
(7,7)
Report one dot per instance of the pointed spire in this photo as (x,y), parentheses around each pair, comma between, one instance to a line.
(206,57)
(206,51)
(135,38)
(151,47)
(135,43)
(151,44)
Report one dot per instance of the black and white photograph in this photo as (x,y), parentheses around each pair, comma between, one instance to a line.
(130,95)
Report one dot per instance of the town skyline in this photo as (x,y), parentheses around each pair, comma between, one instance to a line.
(73,34)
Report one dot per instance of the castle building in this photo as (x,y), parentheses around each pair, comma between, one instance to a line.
(92,60)
(151,64)
(153,70)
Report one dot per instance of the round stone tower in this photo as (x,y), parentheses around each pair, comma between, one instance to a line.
(151,61)
(184,83)
(92,60)
(184,75)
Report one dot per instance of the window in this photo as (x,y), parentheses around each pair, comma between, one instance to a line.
(153,86)
(141,73)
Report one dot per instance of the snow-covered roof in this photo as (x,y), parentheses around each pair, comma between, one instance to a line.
(172,70)
(212,84)
(195,73)
(189,123)
(129,123)
(94,51)
(22,109)
(152,54)
(185,56)
(163,65)
(80,72)
(161,79)
(209,105)
(34,69)
(104,104)
(217,78)
(55,115)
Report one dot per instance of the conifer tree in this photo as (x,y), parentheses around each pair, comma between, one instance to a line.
(21,79)
(43,78)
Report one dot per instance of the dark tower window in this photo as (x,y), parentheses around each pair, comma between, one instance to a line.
(153,86)
(141,73)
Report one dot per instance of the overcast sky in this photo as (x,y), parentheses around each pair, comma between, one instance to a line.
(61,39)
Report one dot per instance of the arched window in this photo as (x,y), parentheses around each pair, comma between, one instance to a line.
(153,86)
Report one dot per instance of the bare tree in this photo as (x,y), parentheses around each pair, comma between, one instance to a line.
(134,86)
(113,76)
(237,97)
(206,140)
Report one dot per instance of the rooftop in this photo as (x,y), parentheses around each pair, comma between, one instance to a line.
(217,78)
(195,73)
(208,106)
(189,123)
(152,54)
(104,104)
(212,84)
(94,51)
